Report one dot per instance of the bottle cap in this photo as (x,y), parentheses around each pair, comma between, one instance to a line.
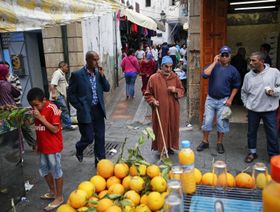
(275,168)
(185,144)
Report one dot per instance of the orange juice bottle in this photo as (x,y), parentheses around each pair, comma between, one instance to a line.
(186,159)
(271,193)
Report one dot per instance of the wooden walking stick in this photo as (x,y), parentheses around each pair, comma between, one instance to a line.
(164,143)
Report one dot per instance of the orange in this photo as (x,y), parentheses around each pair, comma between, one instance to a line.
(142,170)
(92,201)
(77,199)
(155,201)
(112,180)
(142,208)
(144,199)
(209,178)
(126,182)
(226,181)
(121,170)
(262,180)
(164,194)
(104,204)
(105,168)
(133,196)
(116,189)
(82,209)
(153,171)
(133,170)
(88,187)
(65,208)
(99,183)
(197,175)
(137,184)
(102,194)
(159,184)
(114,208)
(244,180)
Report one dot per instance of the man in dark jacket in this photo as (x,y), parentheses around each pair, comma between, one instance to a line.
(85,93)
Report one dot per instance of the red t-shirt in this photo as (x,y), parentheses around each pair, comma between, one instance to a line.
(48,142)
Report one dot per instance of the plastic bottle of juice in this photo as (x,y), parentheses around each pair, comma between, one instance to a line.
(271,193)
(186,159)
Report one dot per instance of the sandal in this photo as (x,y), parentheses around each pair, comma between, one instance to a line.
(250,157)
(47,196)
(52,206)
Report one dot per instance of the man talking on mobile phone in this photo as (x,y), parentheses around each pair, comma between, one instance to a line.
(224,82)
(85,93)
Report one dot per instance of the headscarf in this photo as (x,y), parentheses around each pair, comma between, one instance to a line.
(166,60)
(3,72)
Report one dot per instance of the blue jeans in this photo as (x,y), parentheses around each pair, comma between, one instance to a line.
(212,107)
(50,163)
(130,79)
(65,117)
(270,127)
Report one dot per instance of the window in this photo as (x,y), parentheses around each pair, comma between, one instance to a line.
(137,7)
(148,3)
(172,2)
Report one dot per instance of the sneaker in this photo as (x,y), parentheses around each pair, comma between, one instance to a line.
(72,127)
(251,157)
(220,148)
(203,145)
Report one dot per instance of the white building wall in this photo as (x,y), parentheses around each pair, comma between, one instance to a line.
(101,34)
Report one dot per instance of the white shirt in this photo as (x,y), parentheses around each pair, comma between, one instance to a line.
(59,80)
(140,54)
(155,54)
(173,50)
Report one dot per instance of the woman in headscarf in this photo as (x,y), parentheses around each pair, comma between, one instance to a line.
(7,91)
(148,67)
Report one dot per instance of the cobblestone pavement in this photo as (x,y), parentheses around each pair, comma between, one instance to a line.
(126,119)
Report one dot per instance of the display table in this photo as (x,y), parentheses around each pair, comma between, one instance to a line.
(11,170)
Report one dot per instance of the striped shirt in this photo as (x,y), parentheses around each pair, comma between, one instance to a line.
(14,80)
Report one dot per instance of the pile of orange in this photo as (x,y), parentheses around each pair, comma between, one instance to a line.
(118,187)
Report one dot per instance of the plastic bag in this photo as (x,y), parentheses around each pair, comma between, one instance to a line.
(226,114)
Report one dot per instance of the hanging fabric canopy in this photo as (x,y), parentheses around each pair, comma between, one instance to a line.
(139,19)
(160,25)
(21,15)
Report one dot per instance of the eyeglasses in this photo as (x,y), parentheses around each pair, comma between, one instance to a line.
(224,55)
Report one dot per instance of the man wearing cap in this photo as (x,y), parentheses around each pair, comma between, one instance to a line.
(224,82)
(260,94)
(163,92)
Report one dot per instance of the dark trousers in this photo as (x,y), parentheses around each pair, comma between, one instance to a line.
(270,127)
(94,130)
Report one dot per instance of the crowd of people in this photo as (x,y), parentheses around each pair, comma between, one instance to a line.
(163,73)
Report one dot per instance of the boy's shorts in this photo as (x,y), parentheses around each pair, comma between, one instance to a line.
(50,163)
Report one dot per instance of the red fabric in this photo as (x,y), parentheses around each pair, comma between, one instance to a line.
(147,67)
(134,28)
(48,142)
(3,72)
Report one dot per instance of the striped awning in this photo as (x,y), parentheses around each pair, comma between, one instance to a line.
(22,15)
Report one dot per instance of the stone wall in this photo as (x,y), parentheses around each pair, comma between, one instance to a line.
(53,47)
(193,91)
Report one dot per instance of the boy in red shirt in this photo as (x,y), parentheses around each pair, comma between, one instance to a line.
(49,145)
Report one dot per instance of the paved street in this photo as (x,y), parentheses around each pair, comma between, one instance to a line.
(127,118)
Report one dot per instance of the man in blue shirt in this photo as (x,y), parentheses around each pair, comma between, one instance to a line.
(85,93)
(224,82)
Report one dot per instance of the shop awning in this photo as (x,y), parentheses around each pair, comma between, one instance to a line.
(160,25)
(24,15)
(139,19)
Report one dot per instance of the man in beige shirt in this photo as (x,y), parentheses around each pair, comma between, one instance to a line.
(59,86)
